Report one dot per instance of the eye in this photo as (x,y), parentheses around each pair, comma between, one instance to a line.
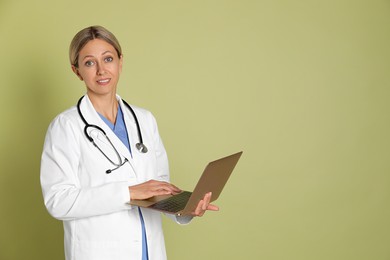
(89,63)
(108,59)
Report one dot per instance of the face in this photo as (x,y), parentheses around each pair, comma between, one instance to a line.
(99,67)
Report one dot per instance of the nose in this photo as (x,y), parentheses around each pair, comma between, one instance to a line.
(100,69)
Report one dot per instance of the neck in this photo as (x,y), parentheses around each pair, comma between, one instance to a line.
(107,106)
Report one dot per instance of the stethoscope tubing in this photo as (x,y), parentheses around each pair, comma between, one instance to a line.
(136,123)
(140,145)
(87,124)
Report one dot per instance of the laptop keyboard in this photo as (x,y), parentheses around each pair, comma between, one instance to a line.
(174,203)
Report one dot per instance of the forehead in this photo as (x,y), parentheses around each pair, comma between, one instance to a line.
(96,47)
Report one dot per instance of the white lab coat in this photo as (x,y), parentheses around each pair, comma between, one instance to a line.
(98,221)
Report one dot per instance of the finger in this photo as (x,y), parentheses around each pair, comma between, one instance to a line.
(206,201)
(166,186)
(198,209)
(213,207)
(199,212)
(175,188)
(158,186)
(162,192)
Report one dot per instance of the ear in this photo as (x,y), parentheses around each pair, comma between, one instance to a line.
(120,63)
(76,71)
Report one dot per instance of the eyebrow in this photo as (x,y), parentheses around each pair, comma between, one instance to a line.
(91,56)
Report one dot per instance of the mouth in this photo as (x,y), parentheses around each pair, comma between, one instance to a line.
(103,81)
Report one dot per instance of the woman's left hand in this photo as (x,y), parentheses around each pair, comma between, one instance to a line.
(204,205)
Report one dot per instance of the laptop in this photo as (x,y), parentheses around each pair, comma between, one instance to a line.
(213,179)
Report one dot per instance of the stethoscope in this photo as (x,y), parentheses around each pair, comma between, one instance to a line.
(140,145)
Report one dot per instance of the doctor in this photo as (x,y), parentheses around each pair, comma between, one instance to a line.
(97,156)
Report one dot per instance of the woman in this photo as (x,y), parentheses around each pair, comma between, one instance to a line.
(88,178)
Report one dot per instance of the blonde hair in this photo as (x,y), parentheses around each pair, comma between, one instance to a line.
(88,34)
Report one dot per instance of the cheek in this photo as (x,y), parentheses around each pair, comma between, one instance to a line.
(87,75)
(115,68)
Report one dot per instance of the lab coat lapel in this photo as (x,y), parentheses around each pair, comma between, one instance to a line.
(131,127)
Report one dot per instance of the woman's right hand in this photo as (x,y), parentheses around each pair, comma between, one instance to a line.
(152,188)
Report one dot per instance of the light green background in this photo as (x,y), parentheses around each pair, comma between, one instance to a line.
(302,87)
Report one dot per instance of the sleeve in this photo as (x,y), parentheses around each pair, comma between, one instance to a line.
(182,220)
(64,197)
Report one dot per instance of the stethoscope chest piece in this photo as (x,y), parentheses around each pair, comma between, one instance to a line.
(141,147)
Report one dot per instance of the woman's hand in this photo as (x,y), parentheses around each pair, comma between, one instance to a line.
(152,188)
(204,205)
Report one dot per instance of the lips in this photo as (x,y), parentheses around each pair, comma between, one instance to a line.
(103,81)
